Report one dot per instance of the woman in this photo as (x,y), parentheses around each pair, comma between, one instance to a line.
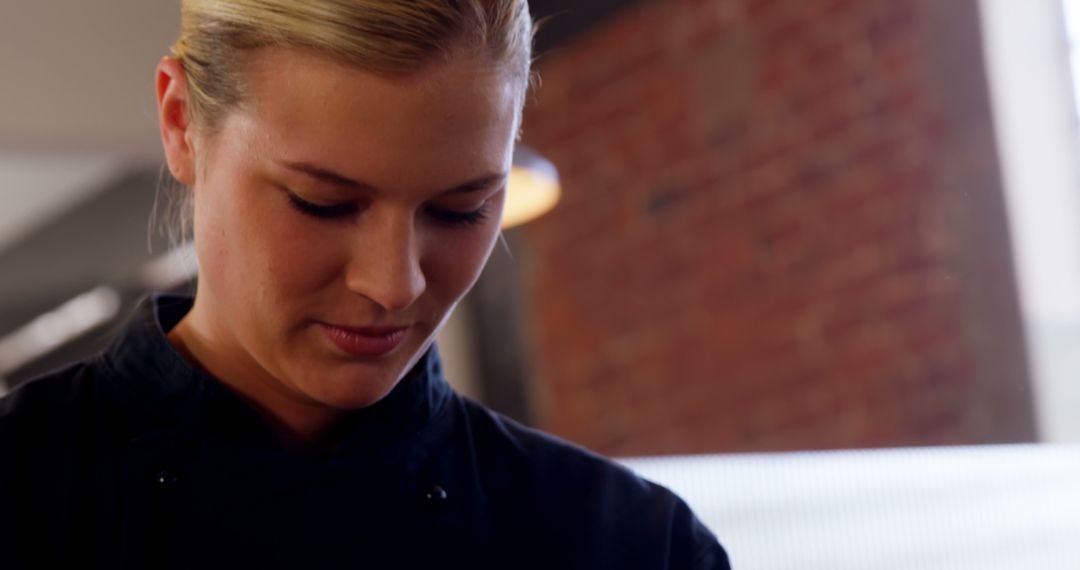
(346,163)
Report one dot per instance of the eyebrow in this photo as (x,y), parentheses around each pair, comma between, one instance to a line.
(335,179)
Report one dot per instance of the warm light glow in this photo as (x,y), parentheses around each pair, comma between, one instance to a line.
(532,189)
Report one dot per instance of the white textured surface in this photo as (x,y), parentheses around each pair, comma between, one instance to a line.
(977,508)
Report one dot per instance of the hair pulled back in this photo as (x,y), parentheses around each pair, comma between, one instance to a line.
(392,37)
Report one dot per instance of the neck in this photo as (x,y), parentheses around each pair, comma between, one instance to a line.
(298,422)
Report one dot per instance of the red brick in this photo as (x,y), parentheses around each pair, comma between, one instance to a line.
(754,250)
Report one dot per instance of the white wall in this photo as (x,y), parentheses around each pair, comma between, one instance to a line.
(1028,65)
(76,100)
(78,75)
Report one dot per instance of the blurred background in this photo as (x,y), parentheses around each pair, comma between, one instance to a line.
(785,225)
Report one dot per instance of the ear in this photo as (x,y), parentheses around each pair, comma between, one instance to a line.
(177,130)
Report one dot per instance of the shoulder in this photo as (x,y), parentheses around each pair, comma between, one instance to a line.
(539,457)
(600,500)
(48,422)
(44,428)
(52,400)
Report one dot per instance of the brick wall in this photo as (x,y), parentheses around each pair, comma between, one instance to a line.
(782,229)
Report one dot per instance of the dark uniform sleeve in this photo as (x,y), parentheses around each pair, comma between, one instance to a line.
(559,505)
(693,538)
(40,432)
(712,557)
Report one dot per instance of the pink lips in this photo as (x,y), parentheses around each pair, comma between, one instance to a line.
(365,341)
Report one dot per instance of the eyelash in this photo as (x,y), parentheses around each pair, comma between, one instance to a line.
(455,218)
(321,212)
(341,211)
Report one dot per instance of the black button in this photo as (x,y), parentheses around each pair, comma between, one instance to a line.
(166,479)
(436,496)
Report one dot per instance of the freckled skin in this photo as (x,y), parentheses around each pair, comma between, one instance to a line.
(270,274)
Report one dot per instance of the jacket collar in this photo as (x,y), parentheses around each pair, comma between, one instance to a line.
(159,390)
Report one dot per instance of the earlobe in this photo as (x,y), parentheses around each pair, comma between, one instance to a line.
(176,127)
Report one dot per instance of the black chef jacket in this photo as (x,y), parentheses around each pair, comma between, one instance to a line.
(136,459)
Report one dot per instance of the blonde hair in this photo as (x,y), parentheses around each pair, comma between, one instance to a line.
(390,37)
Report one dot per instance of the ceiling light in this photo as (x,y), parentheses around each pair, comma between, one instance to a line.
(532,190)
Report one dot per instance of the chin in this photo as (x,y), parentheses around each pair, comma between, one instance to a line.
(352,389)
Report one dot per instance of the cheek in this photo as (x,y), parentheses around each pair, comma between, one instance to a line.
(295,258)
(253,248)
(212,239)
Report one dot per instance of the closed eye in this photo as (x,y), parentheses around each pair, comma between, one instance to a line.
(323,212)
(456,218)
(345,210)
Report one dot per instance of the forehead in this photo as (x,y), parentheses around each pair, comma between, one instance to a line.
(449,119)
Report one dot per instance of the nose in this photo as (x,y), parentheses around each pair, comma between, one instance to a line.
(385,263)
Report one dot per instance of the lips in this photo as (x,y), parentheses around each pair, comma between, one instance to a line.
(365,342)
